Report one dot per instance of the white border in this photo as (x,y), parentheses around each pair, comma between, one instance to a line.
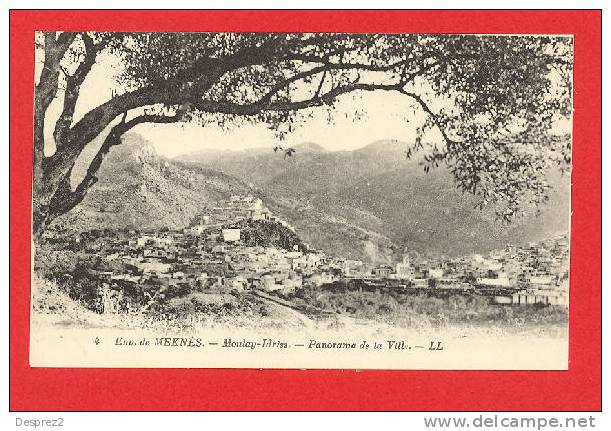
(270,421)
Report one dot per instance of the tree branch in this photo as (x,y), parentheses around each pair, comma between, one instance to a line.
(225,107)
(322,81)
(55,48)
(174,91)
(73,86)
(265,103)
(431,114)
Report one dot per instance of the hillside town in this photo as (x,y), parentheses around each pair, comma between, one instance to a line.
(241,246)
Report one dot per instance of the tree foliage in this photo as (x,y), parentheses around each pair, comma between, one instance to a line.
(489,102)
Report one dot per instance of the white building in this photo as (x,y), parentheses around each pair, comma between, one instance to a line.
(404,269)
(435,273)
(231,235)
(502,280)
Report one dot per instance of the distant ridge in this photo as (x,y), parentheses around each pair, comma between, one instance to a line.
(384,146)
(309,147)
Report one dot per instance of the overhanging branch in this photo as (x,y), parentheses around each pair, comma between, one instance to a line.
(431,115)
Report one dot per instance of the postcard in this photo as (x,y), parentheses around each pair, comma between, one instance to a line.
(301,200)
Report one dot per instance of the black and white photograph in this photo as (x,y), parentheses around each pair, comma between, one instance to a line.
(301,200)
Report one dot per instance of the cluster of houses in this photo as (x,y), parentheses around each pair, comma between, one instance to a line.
(541,264)
(211,255)
(536,273)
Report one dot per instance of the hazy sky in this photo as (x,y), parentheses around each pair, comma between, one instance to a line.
(386,117)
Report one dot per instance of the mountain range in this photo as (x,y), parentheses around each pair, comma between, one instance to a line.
(371,203)
(389,202)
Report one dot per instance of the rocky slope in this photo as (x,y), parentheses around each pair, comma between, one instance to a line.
(138,188)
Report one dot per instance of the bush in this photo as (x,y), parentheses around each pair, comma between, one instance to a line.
(425,309)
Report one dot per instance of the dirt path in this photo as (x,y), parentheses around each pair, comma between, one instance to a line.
(290,311)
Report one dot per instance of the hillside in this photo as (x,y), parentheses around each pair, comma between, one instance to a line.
(373,202)
(428,214)
(138,188)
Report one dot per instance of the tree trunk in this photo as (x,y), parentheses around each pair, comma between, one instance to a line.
(53,195)
(39,221)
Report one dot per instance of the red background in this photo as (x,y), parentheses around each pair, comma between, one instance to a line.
(249,389)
